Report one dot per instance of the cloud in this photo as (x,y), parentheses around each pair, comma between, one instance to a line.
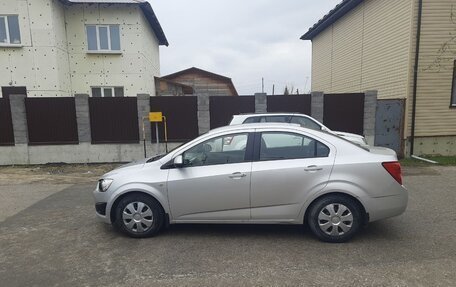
(244,40)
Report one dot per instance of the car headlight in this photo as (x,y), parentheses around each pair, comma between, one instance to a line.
(104,184)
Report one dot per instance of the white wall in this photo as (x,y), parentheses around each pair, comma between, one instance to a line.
(53,59)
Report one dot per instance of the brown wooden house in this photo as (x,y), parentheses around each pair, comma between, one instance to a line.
(202,82)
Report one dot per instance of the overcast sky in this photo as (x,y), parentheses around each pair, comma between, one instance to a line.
(241,39)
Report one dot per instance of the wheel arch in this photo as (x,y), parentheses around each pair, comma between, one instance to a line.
(364,213)
(112,212)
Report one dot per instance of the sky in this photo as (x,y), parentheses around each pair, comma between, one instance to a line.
(246,40)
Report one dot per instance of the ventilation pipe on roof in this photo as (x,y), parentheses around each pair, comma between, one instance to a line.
(415,76)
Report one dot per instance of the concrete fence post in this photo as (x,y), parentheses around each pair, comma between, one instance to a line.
(19,118)
(143,103)
(370,110)
(317,105)
(83,117)
(204,117)
(261,103)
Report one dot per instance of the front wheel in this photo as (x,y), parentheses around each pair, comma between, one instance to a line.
(334,218)
(139,216)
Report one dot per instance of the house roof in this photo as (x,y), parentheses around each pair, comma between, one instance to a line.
(145,7)
(205,73)
(335,14)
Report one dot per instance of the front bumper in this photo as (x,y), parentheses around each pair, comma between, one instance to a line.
(102,209)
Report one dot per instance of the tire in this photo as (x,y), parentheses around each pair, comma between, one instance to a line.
(335,218)
(139,216)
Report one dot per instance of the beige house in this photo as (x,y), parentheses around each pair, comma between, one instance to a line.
(67,47)
(372,45)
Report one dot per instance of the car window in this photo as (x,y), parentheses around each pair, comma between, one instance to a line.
(220,150)
(252,120)
(278,145)
(306,123)
(277,119)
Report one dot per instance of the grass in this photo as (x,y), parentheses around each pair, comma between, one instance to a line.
(442,161)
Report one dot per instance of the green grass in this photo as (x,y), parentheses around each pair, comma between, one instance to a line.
(442,161)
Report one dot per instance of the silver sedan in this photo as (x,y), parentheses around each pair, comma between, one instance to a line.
(256,174)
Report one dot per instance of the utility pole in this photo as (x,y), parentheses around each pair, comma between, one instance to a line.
(273,89)
(262,85)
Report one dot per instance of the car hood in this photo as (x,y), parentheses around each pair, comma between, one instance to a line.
(135,165)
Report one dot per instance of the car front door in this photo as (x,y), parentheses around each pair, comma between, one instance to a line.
(214,182)
(287,167)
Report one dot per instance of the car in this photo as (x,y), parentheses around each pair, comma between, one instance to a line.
(285,174)
(295,118)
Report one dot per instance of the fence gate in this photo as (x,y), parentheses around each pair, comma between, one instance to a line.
(6,123)
(344,112)
(222,108)
(389,123)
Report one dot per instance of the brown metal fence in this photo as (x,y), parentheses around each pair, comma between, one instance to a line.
(51,121)
(181,116)
(222,108)
(6,124)
(344,112)
(289,104)
(114,120)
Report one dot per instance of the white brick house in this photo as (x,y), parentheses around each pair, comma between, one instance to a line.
(67,47)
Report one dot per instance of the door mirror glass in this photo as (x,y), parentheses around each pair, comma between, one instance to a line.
(178,161)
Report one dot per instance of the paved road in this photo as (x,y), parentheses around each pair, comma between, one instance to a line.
(57,242)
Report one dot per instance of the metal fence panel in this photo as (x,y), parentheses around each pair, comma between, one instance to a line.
(114,120)
(290,104)
(181,116)
(51,121)
(222,108)
(344,112)
(6,123)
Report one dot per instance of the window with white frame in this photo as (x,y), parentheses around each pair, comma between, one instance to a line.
(9,30)
(107,92)
(103,38)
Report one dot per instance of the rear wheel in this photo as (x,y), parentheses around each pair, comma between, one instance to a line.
(335,218)
(139,216)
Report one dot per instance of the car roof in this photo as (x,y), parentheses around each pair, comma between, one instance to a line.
(269,114)
(258,126)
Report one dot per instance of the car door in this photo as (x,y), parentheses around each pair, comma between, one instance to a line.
(214,183)
(287,168)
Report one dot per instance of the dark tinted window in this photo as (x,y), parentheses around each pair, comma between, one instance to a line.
(252,120)
(278,145)
(277,119)
(306,123)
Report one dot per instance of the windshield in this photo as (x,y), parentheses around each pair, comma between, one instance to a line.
(157,157)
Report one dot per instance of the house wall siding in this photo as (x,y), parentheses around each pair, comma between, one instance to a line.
(434,116)
(367,49)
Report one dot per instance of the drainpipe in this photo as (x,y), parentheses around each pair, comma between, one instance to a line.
(415,76)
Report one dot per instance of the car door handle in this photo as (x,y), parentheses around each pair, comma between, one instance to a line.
(313,168)
(237,175)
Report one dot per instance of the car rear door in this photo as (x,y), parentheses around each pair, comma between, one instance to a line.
(287,167)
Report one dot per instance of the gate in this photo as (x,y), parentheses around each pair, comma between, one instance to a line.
(388,124)
(6,123)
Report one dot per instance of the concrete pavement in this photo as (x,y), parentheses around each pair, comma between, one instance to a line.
(56,241)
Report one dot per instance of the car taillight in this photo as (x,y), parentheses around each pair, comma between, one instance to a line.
(394,168)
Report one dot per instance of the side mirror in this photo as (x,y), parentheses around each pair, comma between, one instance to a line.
(178,161)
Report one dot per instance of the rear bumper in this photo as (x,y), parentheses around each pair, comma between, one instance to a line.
(388,206)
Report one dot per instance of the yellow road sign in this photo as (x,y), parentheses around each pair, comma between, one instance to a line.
(156,117)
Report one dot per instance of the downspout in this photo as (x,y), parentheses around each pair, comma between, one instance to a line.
(415,76)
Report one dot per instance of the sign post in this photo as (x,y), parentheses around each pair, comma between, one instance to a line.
(156,117)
